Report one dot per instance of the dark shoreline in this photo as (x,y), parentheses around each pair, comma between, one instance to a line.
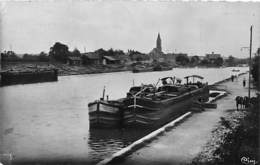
(67,70)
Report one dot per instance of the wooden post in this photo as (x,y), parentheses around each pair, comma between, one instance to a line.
(250,52)
(103,96)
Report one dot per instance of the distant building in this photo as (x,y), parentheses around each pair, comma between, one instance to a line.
(92,58)
(156,53)
(159,43)
(124,58)
(212,56)
(106,60)
(74,61)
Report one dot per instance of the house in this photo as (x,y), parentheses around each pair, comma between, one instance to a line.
(124,59)
(92,58)
(212,56)
(106,60)
(156,54)
(74,60)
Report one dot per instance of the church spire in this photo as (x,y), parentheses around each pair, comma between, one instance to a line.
(159,43)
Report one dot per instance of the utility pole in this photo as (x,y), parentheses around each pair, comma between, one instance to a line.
(250,52)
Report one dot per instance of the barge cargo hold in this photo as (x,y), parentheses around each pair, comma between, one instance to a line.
(26,77)
(170,101)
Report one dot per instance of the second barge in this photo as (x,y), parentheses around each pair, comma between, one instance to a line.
(12,77)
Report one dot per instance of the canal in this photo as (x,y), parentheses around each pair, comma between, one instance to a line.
(49,121)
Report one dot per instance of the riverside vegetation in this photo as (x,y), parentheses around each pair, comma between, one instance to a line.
(236,137)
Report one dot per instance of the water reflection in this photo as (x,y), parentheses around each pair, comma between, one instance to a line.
(105,142)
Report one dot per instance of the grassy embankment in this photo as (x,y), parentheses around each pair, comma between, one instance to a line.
(235,140)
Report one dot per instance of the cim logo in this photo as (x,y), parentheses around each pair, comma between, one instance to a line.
(6,159)
(247,160)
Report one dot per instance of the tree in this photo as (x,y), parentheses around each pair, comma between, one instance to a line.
(43,57)
(110,52)
(75,53)
(29,57)
(119,52)
(182,60)
(204,62)
(195,59)
(9,56)
(101,52)
(219,61)
(230,61)
(59,52)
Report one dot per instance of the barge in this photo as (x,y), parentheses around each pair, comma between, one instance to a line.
(12,77)
(149,105)
(162,68)
(105,113)
(142,68)
(147,68)
(168,102)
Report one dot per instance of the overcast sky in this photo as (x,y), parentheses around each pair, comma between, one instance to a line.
(189,27)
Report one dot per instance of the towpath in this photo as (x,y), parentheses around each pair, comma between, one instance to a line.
(183,143)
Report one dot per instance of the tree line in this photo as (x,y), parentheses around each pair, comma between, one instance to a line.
(60,52)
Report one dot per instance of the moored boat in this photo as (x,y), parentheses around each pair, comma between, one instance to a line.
(165,103)
(109,113)
(235,70)
(152,67)
(105,113)
(162,68)
(149,105)
(142,68)
(12,77)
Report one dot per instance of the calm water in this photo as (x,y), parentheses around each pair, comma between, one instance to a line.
(49,121)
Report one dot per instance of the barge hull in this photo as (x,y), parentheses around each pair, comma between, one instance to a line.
(103,114)
(13,78)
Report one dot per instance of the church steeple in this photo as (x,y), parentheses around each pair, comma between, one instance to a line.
(159,43)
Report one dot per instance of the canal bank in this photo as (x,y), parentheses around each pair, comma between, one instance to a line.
(182,144)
